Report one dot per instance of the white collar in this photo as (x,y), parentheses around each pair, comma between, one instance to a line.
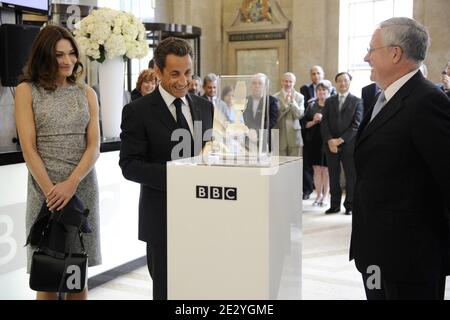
(169,99)
(343,94)
(395,86)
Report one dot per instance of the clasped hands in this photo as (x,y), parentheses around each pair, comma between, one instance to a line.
(446,82)
(60,194)
(317,117)
(333,144)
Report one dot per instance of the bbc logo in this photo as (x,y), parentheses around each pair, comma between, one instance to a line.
(217,193)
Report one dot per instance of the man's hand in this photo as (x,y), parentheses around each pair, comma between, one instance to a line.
(333,144)
(446,82)
(289,97)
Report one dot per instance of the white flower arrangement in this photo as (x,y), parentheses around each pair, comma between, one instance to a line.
(108,33)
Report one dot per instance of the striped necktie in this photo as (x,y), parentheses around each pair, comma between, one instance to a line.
(379,105)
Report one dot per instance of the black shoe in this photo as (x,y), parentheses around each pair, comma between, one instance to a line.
(332,210)
(348,212)
(306,196)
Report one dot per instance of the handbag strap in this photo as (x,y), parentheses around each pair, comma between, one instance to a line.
(61,282)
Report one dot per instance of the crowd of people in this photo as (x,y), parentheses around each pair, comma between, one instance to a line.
(392,145)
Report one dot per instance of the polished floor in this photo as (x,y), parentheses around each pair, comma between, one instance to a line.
(327,273)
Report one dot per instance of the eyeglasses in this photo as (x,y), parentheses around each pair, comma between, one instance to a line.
(370,50)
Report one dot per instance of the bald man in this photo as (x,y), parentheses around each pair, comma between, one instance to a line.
(290,110)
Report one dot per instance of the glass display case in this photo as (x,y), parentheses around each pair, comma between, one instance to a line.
(240,132)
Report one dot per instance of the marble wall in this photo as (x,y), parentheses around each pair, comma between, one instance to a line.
(435,15)
(314,32)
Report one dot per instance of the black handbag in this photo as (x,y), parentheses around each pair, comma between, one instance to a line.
(53,271)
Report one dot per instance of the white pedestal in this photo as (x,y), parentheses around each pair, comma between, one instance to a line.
(111,79)
(247,248)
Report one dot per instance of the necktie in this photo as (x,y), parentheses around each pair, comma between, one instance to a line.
(341,101)
(380,103)
(181,120)
(182,123)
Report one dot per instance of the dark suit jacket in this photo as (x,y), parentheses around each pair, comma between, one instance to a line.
(135,94)
(343,124)
(402,193)
(146,146)
(205,97)
(368,94)
(254,122)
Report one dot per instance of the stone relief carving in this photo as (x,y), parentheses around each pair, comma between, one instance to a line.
(255,11)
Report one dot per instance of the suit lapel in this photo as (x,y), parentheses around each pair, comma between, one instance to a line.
(346,103)
(311,91)
(196,111)
(161,112)
(367,117)
(335,106)
(389,110)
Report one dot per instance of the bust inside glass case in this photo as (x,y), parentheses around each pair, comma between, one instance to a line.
(240,132)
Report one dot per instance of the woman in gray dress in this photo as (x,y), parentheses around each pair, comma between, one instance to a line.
(58,125)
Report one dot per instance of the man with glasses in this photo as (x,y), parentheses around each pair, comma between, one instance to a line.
(400,226)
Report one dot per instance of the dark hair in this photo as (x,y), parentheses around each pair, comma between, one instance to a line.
(341,73)
(171,45)
(226,91)
(151,64)
(145,75)
(42,66)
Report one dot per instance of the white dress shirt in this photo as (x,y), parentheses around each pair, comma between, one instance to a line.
(169,99)
(395,86)
(342,96)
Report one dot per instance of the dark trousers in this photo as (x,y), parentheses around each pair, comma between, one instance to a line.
(334,169)
(157,265)
(394,290)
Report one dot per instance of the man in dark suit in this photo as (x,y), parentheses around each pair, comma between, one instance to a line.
(342,115)
(148,127)
(309,93)
(309,90)
(255,111)
(400,229)
(368,94)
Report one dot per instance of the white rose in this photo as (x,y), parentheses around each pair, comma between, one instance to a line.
(115,46)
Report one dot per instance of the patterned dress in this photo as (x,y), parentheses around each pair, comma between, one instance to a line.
(61,119)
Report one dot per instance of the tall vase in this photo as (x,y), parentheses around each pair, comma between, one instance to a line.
(111,81)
